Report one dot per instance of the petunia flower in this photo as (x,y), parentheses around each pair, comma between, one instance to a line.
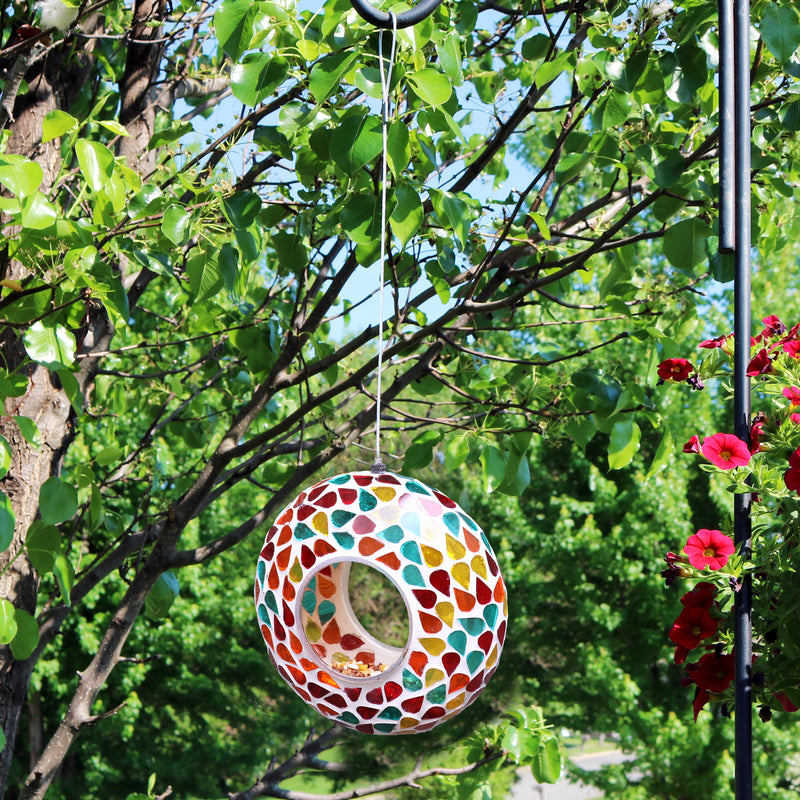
(711,344)
(709,548)
(713,672)
(795,418)
(702,596)
(760,364)
(693,625)
(675,369)
(726,451)
(792,348)
(757,432)
(693,445)
(792,475)
(772,327)
(792,394)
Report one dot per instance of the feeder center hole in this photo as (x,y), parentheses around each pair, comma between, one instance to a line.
(378,605)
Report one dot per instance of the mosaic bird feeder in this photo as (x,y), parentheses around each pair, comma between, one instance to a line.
(443,568)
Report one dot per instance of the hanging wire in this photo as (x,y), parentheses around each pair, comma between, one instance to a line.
(386,82)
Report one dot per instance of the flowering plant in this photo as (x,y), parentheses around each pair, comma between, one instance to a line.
(712,566)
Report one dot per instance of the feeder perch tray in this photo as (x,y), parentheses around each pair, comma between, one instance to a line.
(441,564)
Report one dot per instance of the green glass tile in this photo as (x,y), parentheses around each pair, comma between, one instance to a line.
(411,681)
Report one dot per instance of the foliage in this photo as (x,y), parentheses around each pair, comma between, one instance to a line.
(185,345)
(767,466)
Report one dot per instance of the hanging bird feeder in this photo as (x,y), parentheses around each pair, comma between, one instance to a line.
(441,564)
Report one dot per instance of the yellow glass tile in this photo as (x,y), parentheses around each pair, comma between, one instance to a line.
(462,573)
(409,722)
(445,612)
(433,558)
(384,493)
(433,676)
(490,662)
(479,565)
(433,645)
(320,523)
(457,701)
(312,631)
(455,549)
(296,572)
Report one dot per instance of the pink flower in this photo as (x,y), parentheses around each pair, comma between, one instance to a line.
(710,344)
(792,348)
(726,451)
(760,364)
(675,369)
(709,548)
(772,327)
(702,596)
(757,432)
(792,394)
(693,445)
(795,418)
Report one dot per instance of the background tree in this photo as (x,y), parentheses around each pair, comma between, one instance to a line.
(169,372)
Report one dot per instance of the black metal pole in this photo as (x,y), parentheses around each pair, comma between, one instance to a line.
(405,19)
(727,172)
(743,635)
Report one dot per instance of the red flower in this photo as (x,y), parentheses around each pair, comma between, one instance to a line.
(786,703)
(712,672)
(693,445)
(795,418)
(792,475)
(701,697)
(675,369)
(792,394)
(725,451)
(772,327)
(760,364)
(711,344)
(709,548)
(757,431)
(702,596)
(693,625)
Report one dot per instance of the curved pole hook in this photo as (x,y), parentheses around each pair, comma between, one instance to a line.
(381,19)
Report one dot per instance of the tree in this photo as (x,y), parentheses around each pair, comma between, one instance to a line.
(168,312)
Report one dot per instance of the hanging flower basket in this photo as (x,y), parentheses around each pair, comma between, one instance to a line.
(441,564)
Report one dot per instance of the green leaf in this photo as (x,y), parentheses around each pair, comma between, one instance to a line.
(494,468)
(233,25)
(162,596)
(108,455)
(407,215)
(8,621)
(176,224)
(43,544)
(546,765)
(398,147)
(117,128)
(685,243)
(663,456)
(361,219)
(291,250)
(449,52)
(56,123)
(2,740)
(7,522)
(327,74)
(241,209)
(257,76)
(430,86)
(623,444)
(52,347)
(780,29)
(20,175)
(356,142)
(65,577)
(204,275)
(38,213)
(456,452)
(420,452)
(27,637)
(5,456)
(29,430)
(96,162)
(58,501)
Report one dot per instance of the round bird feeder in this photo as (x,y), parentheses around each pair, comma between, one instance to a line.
(443,568)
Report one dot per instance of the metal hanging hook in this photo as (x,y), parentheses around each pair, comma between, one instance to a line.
(382,19)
